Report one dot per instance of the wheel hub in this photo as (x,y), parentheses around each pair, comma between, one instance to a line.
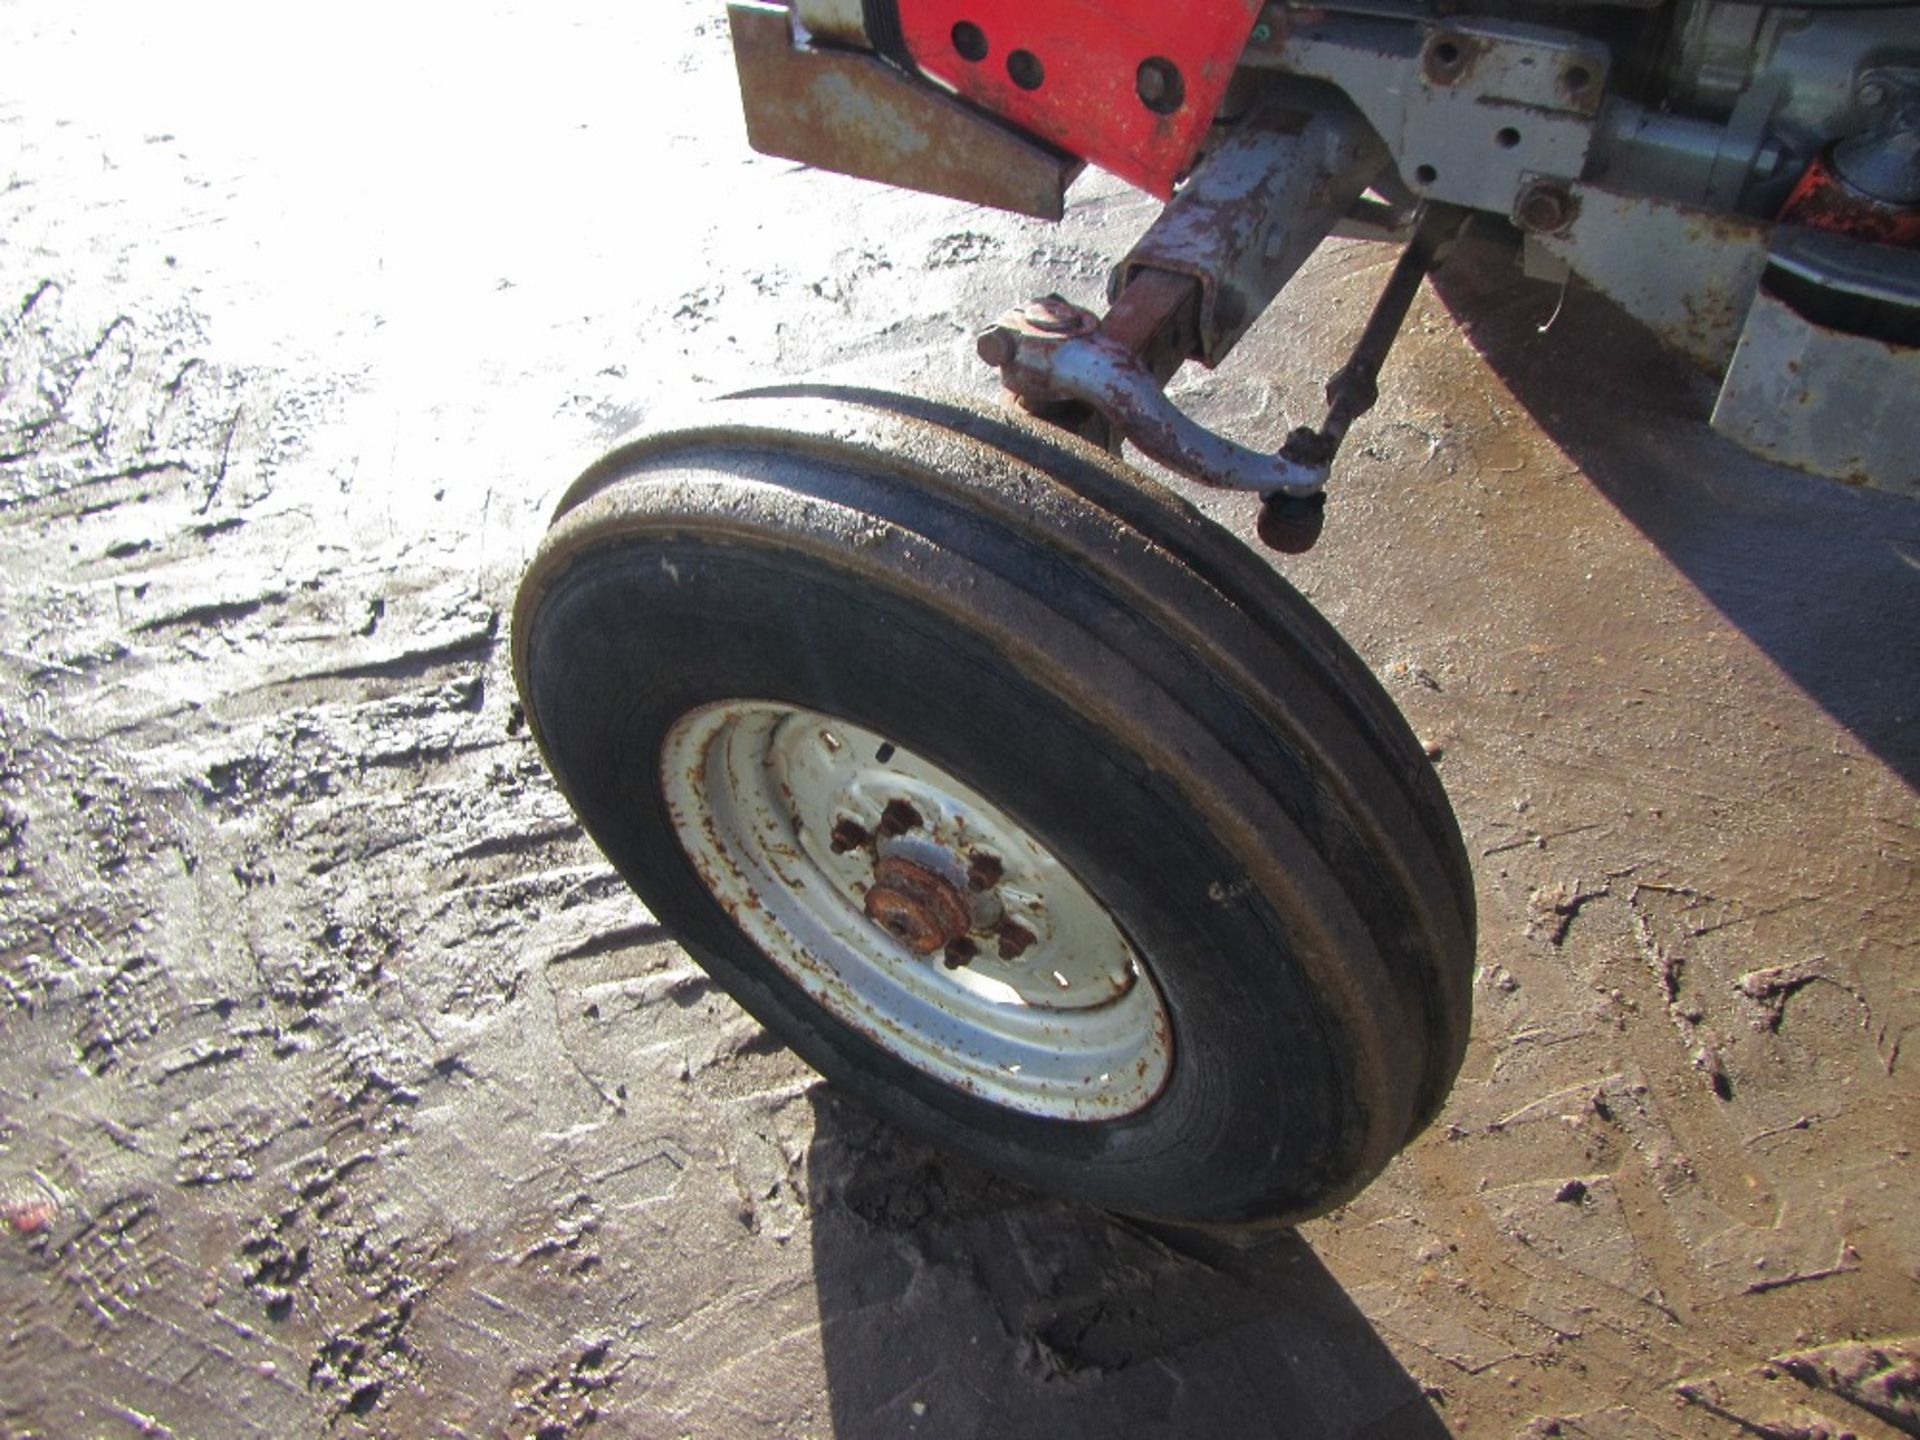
(914,910)
(916,905)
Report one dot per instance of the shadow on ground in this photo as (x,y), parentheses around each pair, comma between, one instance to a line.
(1823,577)
(955,1304)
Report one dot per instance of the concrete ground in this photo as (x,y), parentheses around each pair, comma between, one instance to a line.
(346,1089)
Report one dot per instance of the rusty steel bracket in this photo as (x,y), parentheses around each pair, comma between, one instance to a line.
(1257,207)
(1238,230)
(849,111)
(1050,350)
(1471,106)
(1054,355)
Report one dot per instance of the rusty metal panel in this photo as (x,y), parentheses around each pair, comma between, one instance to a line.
(851,112)
(1256,208)
(1694,296)
(1821,400)
(1472,110)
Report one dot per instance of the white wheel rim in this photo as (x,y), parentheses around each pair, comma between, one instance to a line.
(1052,1013)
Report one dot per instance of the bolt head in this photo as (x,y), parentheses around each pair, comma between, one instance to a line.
(1873,94)
(848,834)
(1053,315)
(995,346)
(1545,207)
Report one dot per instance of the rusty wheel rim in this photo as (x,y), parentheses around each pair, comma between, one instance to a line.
(915,911)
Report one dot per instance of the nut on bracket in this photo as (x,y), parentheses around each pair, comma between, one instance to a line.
(1048,318)
(1546,207)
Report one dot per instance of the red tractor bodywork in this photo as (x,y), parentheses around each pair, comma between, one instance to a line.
(1130,85)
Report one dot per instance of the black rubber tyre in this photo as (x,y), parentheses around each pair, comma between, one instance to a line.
(1124,678)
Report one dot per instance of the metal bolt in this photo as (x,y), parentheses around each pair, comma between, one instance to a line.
(1546,207)
(984,873)
(1262,33)
(848,834)
(996,346)
(1873,94)
(1053,315)
(898,818)
(1015,939)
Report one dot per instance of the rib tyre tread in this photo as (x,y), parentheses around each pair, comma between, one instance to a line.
(1227,671)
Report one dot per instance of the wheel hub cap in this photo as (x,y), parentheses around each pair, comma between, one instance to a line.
(916,905)
(915,911)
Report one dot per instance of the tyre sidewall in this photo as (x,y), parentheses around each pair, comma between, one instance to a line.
(1258,1117)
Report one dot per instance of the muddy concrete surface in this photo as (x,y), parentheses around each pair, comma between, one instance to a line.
(347,1090)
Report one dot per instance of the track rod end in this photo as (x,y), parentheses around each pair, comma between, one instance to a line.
(1291,523)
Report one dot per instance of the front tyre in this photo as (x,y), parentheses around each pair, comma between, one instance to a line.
(1017,797)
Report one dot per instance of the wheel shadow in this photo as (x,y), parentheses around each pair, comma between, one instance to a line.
(954,1304)
(1823,577)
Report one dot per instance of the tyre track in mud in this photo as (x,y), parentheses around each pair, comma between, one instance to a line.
(284,850)
(216,927)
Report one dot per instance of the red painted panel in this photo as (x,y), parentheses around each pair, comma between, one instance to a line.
(1089,53)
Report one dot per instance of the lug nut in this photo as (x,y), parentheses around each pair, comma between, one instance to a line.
(984,873)
(898,818)
(1015,939)
(848,834)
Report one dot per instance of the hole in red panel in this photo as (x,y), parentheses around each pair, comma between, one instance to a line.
(1025,70)
(1159,85)
(970,41)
